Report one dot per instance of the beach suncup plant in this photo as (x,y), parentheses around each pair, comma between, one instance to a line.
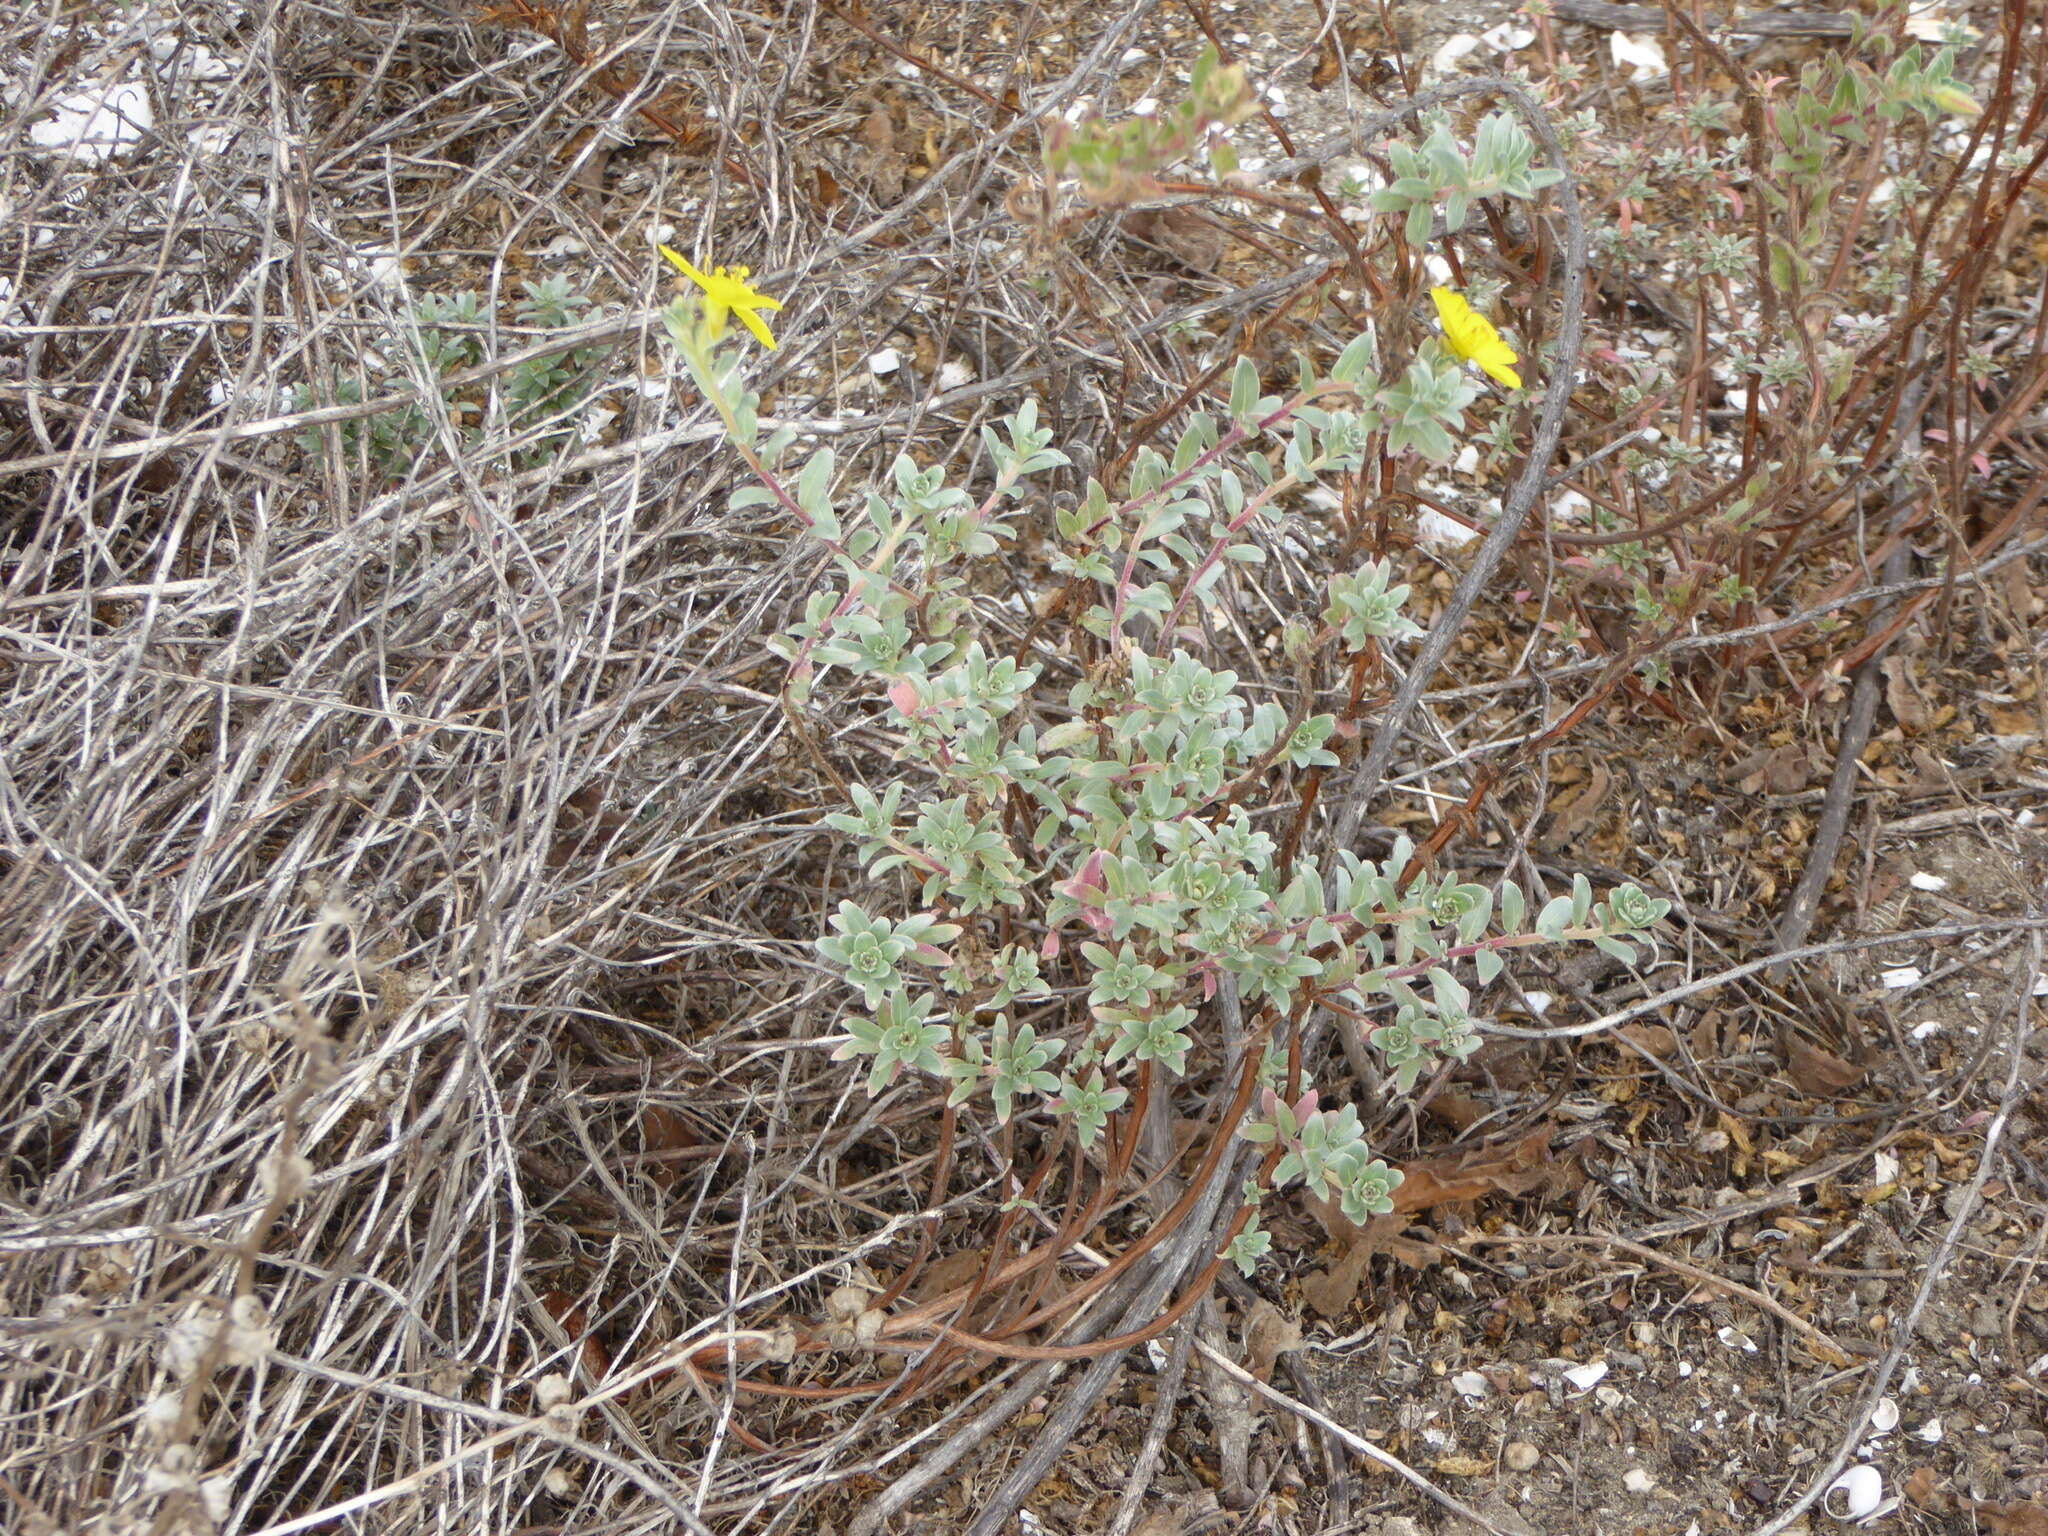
(1077,900)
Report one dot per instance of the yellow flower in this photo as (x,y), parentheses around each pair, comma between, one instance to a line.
(726,292)
(1472,336)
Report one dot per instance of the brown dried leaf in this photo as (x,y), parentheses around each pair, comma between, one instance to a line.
(1921,1492)
(1706,1034)
(1463,1466)
(1337,43)
(1331,1291)
(1460,1111)
(1653,1040)
(1781,771)
(1507,1064)
(1515,1169)
(952,1273)
(566,1310)
(2011,1519)
(1821,1073)
(2022,720)
(1269,1333)
(1574,813)
(1181,233)
(1901,697)
(663,1130)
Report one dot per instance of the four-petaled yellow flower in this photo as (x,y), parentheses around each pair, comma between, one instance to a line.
(1472,336)
(726,292)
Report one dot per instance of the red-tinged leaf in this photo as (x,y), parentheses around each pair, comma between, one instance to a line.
(663,1131)
(595,1359)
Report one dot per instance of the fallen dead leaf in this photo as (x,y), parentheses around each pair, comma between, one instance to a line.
(948,1274)
(1901,697)
(1513,1169)
(663,1130)
(1269,1333)
(1920,1491)
(1460,1111)
(1654,1040)
(564,1309)
(1571,814)
(1820,1073)
(1463,1466)
(2021,721)
(1331,1291)
(2010,1519)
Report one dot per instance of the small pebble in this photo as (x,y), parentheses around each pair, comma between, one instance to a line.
(1520,1455)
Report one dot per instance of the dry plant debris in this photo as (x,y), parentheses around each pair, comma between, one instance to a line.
(414,1084)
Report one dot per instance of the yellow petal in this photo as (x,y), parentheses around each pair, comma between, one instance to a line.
(753,322)
(727,293)
(1497,369)
(683,262)
(1472,337)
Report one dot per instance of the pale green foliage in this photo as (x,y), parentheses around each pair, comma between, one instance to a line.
(901,1034)
(868,949)
(534,405)
(1012,1062)
(1363,607)
(1249,1246)
(1101,829)
(1502,164)
(1090,1104)
(1136,843)
(1115,163)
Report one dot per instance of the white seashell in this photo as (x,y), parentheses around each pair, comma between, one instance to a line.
(1735,1338)
(1434,528)
(99,123)
(1855,1495)
(1446,58)
(1507,37)
(1643,55)
(1586,1377)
